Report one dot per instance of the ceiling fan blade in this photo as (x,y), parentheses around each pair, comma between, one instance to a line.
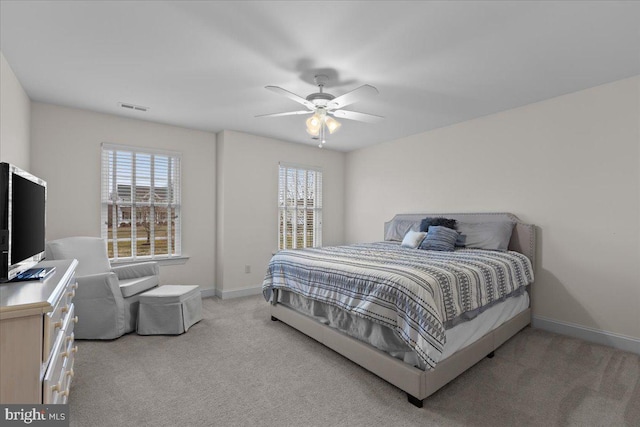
(292,96)
(354,115)
(289,113)
(362,92)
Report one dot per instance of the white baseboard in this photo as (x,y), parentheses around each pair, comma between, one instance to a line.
(237,293)
(597,336)
(208,293)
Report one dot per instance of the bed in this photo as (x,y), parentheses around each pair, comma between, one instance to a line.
(415,318)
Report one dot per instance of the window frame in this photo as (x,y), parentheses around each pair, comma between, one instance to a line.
(296,208)
(173,203)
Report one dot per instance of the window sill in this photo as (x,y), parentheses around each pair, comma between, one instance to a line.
(177,260)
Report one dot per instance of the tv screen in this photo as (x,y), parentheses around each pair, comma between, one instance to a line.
(27,219)
(23,199)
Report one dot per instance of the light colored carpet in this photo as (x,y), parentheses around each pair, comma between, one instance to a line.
(238,368)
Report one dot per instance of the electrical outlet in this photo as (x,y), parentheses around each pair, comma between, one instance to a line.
(247,269)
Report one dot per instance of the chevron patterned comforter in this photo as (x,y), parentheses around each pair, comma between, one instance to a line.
(415,292)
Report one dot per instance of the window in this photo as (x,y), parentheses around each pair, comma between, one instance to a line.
(140,202)
(299,207)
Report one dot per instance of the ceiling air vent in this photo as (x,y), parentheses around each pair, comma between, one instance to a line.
(133,107)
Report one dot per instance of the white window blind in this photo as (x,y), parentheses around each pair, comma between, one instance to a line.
(299,207)
(141,209)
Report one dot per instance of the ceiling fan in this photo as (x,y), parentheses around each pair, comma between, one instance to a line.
(325,107)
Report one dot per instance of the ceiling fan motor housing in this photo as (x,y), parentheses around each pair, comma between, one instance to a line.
(320,99)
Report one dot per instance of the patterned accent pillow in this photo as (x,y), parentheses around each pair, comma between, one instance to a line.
(413,239)
(437,221)
(439,238)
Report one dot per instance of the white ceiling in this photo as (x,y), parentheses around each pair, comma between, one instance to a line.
(203,65)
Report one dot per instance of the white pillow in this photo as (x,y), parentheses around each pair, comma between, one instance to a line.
(413,239)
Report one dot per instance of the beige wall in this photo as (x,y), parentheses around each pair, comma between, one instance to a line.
(66,153)
(247,204)
(15,117)
(570,165)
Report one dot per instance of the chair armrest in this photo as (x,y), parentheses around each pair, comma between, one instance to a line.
(98,286)
(133,271)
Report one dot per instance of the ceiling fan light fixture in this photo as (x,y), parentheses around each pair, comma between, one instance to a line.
(332,124)
(314,123)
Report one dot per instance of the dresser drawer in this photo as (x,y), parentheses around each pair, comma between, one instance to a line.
(67,373)
(52,386)
(57,379)
(54,321)
(69,321)
(70,292)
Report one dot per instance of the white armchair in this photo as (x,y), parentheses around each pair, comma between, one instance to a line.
(107,298)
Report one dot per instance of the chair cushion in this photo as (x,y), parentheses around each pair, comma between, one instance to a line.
(91,253)
(169,294)
(130,287)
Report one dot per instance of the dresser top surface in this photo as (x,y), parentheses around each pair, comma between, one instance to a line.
(39,295)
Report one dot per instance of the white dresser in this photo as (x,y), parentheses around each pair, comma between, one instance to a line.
(37,348)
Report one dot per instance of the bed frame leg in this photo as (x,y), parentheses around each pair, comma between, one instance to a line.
(414,401)
(490,355)
(274,319)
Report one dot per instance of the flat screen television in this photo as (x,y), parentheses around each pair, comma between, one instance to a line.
(23,202)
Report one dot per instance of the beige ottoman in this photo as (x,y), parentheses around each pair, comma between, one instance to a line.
(169,310)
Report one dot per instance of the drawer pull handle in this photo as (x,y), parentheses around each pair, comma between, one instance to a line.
(65,393)
(58,324)
(66,353)
(65,309)
(75,319)
(56,387)
(70,373)
(74,286)
(69,338)
(71,294)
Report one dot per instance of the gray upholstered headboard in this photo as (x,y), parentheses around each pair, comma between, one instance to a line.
(523,238)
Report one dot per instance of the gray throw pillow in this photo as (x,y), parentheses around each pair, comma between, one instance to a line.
(399,228)
(487,235)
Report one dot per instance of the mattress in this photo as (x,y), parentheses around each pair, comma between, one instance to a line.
(385,339)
